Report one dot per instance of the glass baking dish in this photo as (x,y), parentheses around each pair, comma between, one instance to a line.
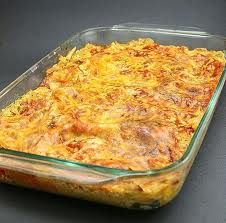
(131,189)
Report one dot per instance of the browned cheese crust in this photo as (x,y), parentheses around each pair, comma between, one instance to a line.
(129,106)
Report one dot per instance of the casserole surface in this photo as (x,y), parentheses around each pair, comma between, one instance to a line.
(132,106)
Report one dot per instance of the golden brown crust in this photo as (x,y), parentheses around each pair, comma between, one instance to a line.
(129,106)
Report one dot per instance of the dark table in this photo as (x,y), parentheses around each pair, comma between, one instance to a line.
(30,29)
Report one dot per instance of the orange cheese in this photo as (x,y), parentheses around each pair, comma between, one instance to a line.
(130,106)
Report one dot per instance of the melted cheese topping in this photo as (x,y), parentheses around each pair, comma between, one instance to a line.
(129,106)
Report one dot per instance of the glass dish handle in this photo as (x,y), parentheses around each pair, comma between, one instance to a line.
(73,172)
(164,28)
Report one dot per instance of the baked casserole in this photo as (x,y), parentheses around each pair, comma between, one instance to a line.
(132,106)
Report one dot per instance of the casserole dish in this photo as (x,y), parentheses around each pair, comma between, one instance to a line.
(125,188)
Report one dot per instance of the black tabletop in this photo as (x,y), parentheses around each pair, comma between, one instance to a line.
(30,29)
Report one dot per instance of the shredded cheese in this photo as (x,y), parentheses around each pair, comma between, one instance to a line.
(130,106)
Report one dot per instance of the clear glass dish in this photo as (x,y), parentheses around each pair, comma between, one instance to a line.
(130,189)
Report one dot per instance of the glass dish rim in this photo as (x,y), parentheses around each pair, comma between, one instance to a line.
(115,171)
